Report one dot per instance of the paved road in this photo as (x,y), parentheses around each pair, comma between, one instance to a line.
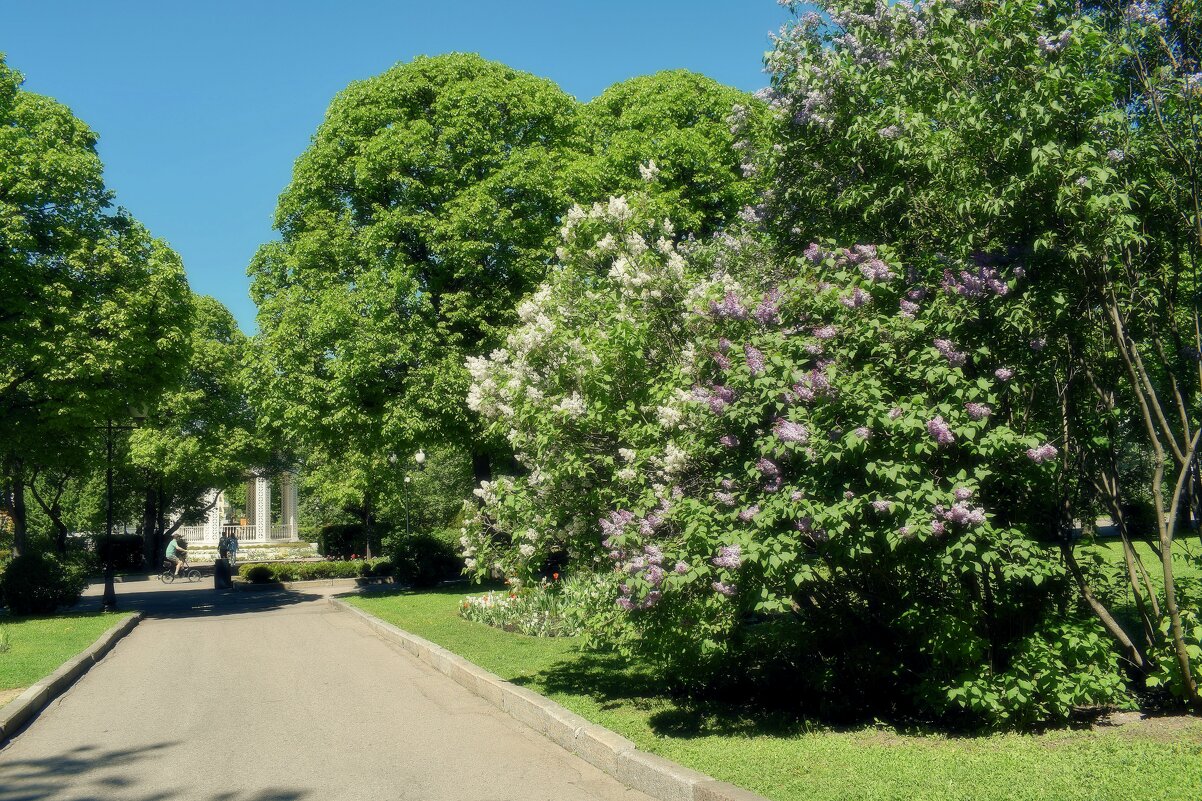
(277,697)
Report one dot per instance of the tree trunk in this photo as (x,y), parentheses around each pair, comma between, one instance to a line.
(150,538)
(18,513)
(481,466)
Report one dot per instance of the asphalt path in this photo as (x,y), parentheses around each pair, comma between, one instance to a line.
(276,696)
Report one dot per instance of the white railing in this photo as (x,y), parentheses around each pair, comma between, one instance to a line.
(203,535)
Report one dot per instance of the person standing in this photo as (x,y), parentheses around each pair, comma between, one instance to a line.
(223,546)
(231,546)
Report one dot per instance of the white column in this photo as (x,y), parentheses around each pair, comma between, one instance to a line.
(262,507)
(214,516)
(250,501)
(288,504)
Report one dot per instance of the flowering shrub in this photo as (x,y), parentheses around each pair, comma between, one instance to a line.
(545,609)
(778,461)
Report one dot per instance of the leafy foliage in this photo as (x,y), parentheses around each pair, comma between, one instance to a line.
(39,584)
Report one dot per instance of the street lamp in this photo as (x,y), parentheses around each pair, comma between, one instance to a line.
(420,459)
(108,601)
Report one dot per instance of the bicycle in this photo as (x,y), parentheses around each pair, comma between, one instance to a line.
(187,572)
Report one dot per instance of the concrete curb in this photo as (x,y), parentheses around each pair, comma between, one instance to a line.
(604,749)
(25,706)
(374,581)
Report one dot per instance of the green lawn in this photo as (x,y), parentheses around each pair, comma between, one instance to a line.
(1187,557)
(791,761)
(38,645)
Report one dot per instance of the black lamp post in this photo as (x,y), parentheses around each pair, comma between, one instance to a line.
(420,459)
(109,600)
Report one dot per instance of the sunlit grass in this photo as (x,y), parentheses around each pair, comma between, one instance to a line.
(790,760)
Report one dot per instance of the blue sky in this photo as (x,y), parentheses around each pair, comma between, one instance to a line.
(202,107)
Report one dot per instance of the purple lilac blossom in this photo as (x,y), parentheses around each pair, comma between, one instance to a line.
(749,514)
(681,568)
(940,431)
(814,253)
(788,431)
(729,309)
(721,360)
(1043,453)
(729,441)
(962,493)
(655,554)
(768,312)
(895,412)
(863,432)
(908,307)
(876,270)
(724,345)
(977,411)
(1038,344)
(954,357)
(775,484)
(937,528)
(826,332)
(797,495)
(724,589)
(1003,374)
(882,505)
(729,556)
(725,498)
(655,575)
(755,359)
(767,467)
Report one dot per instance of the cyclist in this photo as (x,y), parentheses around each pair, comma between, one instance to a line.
(177,552)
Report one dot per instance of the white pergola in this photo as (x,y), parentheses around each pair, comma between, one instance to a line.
(259,524)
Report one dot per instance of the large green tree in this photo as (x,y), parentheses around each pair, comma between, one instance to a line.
(427,206)
(200,435)
(93,311)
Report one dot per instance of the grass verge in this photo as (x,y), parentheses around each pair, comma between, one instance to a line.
(791,761)
(38,645)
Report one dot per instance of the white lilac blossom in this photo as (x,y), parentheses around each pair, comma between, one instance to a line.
(1043,453)
(848,495)
(1142,12)
(729,557)
(1193,83)
(954,357)
(573,405)
(1081,181)
(788,431)
(797,496)
(891,132)
(1115,155)
(648,171)
(882,505)
(755,359)
(895,412)
(527,550)
(626,475)
(977,411)
(626,454)
(1003,374)
(940,431)
(1054,44)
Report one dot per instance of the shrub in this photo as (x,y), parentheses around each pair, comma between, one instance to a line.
(424,560)
(257,574)
(344,540)
(38,584)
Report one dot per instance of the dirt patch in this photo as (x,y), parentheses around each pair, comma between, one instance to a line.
(8,695)
(1162,728)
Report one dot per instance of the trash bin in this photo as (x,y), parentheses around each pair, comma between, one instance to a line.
(222,580)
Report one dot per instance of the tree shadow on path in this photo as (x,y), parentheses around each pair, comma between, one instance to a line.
(93,773)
